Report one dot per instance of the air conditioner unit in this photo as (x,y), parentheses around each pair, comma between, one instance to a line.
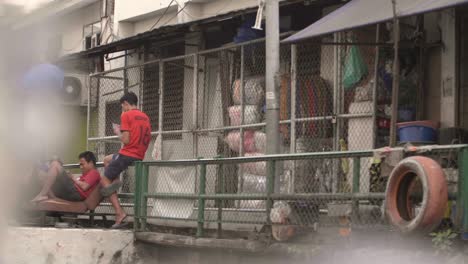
(95,40)
(92,41)
(75,89)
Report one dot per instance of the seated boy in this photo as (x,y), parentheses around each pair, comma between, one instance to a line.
(58,183)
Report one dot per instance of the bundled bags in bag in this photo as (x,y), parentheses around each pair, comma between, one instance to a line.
(260,141)
(256,168)
(253,184)
(233,139)
(254,141)
(254,91)
(251,115)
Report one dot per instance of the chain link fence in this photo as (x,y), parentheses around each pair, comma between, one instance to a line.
(211,104)
(356,204)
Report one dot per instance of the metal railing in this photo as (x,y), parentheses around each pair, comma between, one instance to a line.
(453,157)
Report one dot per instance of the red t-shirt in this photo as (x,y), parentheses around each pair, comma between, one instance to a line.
(92,178)
(138,124)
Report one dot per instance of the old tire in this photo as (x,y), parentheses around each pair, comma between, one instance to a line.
(431,179)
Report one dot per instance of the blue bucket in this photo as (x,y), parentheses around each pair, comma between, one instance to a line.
(417,133)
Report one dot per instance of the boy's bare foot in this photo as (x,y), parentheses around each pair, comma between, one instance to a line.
(119,221)
(40,198)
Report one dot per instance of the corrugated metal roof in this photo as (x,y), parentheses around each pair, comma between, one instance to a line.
(161,32)
(358,13)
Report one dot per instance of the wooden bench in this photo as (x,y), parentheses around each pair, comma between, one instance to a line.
(63,206)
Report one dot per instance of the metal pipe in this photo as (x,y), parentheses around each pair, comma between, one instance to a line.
(272,79)
(171,132)
(300,156)
(109,77)
(240,172)
(272,197)
(88,114)
(138,196)
(330,196)
(144,199)
(201,201)
(183,66)
(345,116)
(356,182)
(161,108)
(219,203)
(120,56)
(195,107)
(374,88)
(435,149)
(270,188)
(335,92)
(337,108)
(246,43)
(162,218)
(125,73)
(396,76)
(353,43)
(462,197)
(292,147)
(232,127)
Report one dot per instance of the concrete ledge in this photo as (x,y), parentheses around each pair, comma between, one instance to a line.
(67,245)
(208,243)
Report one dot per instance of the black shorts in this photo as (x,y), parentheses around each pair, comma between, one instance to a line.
(118,164)
(64,188)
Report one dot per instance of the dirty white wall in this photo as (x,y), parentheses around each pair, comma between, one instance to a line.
(464,68)
(71,27)
(129,10)
(432,80)
(140,26)
(134,19)
(51,245)
(449,103)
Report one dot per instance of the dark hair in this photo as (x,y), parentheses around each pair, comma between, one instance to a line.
(88,156)
(129,97)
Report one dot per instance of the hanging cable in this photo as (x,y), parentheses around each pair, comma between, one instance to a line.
(164,13)
(178,12)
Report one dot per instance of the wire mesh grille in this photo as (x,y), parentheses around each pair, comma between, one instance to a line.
(316,191)
(212,104)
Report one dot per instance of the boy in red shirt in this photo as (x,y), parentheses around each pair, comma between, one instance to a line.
(135,134)
(58,183)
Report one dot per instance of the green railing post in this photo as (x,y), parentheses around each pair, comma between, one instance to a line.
(462,197)
(137,197)
(143,195)
(356,182)
(219,203)
(271,171)
(201,201)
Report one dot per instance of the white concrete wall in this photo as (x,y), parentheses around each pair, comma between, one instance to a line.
(127,10)
(71,27)
(449,103)
(51,245)
(132,19)
(170,18)
(464,70)
(132,10)
(58,34)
